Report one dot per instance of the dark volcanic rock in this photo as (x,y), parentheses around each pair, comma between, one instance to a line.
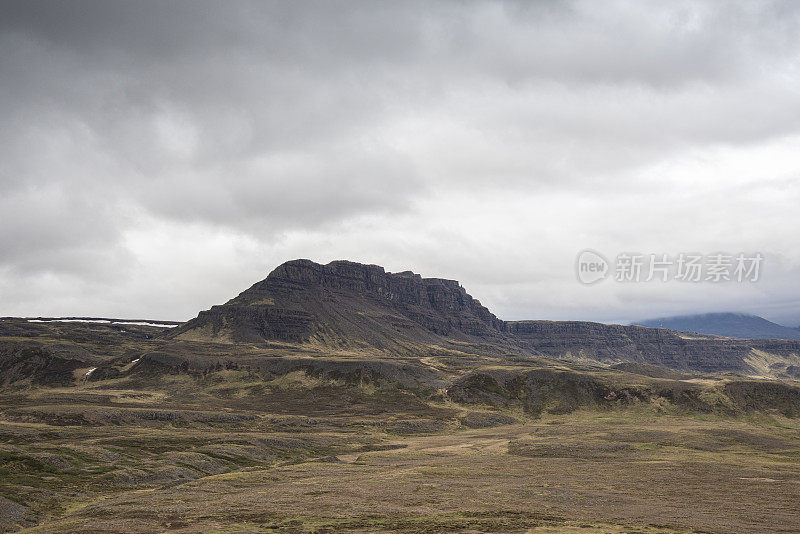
(346,304)
(656,346)
(256,323)
(440,305)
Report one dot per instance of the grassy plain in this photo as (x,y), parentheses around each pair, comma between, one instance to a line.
(231,452)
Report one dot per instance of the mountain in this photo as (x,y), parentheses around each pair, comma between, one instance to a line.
(347,305)
(351,308)
(737,325)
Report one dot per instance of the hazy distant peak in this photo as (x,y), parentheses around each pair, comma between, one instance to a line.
(729,324)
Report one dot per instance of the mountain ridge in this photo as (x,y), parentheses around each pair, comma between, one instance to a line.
(353,307)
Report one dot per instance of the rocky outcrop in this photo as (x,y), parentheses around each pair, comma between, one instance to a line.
(33,360)
(562,391)
(251,324)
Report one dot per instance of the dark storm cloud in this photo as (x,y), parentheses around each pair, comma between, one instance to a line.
(228,114)
(290,127)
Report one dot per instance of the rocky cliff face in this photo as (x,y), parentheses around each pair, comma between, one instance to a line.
(344,304)
(612,343)
(443,301)
(657,346)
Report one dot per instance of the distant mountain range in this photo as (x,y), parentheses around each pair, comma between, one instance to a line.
(737,325)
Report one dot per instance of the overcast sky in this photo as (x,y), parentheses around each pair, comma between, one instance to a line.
(157,158)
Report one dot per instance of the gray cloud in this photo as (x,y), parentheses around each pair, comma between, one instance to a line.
(486,141)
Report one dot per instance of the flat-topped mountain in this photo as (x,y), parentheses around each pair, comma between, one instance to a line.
(738,325)
(347,305)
